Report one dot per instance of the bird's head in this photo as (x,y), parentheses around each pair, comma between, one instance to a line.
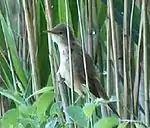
(59,34)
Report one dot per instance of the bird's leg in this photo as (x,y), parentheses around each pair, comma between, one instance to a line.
(59,78)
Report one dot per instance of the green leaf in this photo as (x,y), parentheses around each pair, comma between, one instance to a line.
(55,12)
(20,126)
(139,125)
(27,110)
(107,122)
(74,15)
(29,123)
(61,10)
(77,115)
(12,95)
(6,76)
(55,109)
(88,109)
(102,12)
(42,54)
(43,90)
(43,103)
(9,119)
(123,125)
(2,42)
(49,81)
(9,39)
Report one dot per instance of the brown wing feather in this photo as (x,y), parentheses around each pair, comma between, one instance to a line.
(94,84)
(97,89)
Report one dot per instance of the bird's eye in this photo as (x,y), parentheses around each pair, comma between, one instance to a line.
(60,33)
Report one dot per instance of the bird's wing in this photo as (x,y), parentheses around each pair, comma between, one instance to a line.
(97,89)
(94,84)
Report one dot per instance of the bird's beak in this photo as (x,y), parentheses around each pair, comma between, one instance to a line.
(51,32)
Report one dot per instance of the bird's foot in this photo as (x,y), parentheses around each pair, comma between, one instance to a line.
(60,79)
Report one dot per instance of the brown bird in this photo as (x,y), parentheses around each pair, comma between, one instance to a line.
(59,35)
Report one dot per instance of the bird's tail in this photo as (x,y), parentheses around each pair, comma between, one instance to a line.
(112,108)
(97,89)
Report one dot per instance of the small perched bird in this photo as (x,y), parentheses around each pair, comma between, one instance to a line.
(59,35)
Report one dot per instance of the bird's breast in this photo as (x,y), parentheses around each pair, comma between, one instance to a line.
(64,65)
(64,71)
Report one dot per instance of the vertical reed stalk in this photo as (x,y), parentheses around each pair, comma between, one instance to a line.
(83,47)
(108,53)
(114,45)
(32,49)
(90,35)
(53,66)
(130,59)
(69,47)
(137,71)
(146,86)
(126,62)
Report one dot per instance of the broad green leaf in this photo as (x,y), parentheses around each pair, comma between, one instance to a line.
(43,90)
(102,13)
(61,10)
(74,15)
(55,109)
(123,125)
(12,95)
(55,12)
(20,126)
(49,81)
(88,109)
(0,123)
(29,123)
(77,115)
(139,125)
(42,54)
(7,77)
(9,119)
(107,122)
(27,109)
(43,103)
(103,34)
(2,42)
(9,39)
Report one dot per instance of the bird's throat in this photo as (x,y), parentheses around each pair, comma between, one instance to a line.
(64,53)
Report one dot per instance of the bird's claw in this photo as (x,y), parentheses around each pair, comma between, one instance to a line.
(59,78)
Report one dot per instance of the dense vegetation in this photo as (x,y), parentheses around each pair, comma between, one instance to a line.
(116,35)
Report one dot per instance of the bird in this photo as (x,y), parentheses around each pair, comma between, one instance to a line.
(60,37)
